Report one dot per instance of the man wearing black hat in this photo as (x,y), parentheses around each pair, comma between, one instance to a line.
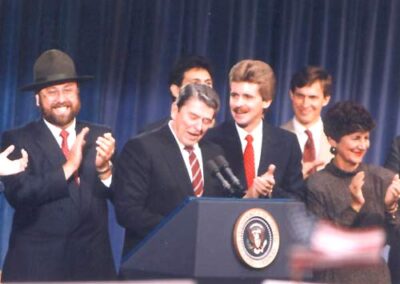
(60,230)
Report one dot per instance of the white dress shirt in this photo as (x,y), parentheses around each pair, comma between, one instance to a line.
(185,154)
(317,129)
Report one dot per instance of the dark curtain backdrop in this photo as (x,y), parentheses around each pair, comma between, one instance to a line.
(130,46)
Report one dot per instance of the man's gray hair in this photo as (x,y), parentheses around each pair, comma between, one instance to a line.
(202,92)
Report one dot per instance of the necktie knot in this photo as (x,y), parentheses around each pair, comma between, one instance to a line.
(249,138)
(309,134)
(64,134)
(309,138)
(189,149)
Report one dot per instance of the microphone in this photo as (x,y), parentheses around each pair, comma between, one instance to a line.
(222,163)
(216,172)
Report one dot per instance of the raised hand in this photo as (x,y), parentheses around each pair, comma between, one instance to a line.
(355,188)
(104,151)
(11,167)
(74,158)
(263,185)
(392,195)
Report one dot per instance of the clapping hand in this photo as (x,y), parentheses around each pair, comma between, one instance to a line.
(356,192)
(11,167)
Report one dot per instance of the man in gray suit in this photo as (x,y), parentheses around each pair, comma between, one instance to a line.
(310,91)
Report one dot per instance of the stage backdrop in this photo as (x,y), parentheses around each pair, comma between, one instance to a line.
(130,46)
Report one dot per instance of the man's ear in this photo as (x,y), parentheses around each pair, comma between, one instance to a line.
(174,110)
(37,100)
(174,89)
(266,104)
(326,100)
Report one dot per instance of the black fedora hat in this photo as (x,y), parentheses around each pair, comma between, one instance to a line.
(53,67)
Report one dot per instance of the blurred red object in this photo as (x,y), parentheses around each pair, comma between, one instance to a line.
(334,247)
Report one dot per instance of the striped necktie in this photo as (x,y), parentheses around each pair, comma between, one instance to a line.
(197,177)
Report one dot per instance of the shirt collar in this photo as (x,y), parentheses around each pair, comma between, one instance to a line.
(317,127)
(55,130)
(181,146)
(257,131)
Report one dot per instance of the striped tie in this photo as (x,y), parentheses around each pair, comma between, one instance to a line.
(197,178)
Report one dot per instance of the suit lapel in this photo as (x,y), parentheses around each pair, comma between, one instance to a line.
(268,146)
(52,151)
(47,142)
(233,150)
(175,161)
(86,170)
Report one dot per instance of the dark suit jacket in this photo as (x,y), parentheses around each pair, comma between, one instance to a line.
(59,231)
(393,158)
(393,163)
(155,125)
(279,147)
(151,180)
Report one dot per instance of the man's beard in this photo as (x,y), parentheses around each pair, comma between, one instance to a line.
(61,120)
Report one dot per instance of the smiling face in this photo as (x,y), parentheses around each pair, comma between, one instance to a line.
(351,150)
(308,102)
(191,121)
(59,103)
(246,104)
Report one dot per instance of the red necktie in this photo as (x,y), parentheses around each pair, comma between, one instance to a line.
(64,143)
(197,178)
(248,158)
(64,148)
(309,149)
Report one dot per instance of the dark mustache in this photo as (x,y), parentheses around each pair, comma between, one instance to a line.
(241,109)
(61,105)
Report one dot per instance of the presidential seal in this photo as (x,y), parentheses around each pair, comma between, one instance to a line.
(256,238)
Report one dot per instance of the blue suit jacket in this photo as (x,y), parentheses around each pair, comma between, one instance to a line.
(279,147)
(59,230)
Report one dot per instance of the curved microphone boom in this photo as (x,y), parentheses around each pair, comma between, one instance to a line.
(216,172)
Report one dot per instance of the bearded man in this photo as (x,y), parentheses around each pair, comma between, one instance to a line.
(60,225)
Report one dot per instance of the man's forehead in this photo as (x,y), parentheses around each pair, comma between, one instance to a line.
(62,85)
(198,107)
(193,72)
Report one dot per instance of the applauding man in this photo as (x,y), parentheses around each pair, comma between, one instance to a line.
(60,230)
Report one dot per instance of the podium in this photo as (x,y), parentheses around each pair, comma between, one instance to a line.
(196,242)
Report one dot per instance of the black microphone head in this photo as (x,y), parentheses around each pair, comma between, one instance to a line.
(212,166)
(221,161)
(224,166)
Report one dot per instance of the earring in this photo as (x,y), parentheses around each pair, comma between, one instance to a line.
(333,150)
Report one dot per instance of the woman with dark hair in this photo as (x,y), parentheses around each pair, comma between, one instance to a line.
(350,193)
